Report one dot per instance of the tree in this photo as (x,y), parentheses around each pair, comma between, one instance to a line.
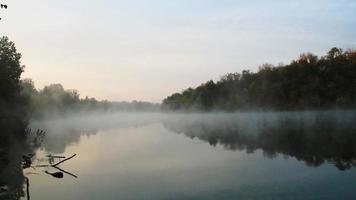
(13,104)
(334,52)
(28,87)
(10,71)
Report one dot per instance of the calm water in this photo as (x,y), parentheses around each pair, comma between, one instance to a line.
(308,155)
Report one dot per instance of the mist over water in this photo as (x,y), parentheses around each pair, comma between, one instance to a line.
(255,155)
(182,100)
(314,137)
(66,131)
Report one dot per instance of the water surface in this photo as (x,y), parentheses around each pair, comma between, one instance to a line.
(288,155)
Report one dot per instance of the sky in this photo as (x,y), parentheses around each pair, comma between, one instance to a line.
(148,49)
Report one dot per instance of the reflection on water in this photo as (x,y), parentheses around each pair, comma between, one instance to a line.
(144,156)
(11,175)
(16,153)
(312,137)
(64,132)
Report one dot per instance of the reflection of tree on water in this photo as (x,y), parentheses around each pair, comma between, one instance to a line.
(11,175)
(16,154)
(13,146)
(60,133)
(314,138)
(17,145)
(64,132)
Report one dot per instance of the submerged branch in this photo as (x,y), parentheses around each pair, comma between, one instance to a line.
(54,165)
(65,172)
(52,156)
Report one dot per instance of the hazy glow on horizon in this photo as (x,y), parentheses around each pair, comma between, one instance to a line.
(149,49)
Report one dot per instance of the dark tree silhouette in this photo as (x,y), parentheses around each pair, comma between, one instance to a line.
(13,104)
(308,82)
(10,70)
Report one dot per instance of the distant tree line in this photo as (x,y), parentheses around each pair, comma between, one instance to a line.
(307,82)
(54,100)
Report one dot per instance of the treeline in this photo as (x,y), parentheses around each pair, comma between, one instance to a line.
(309,82)
(54,100)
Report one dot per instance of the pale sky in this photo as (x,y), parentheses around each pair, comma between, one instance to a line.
(149,49)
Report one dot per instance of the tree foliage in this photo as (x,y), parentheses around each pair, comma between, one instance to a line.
(10,70)
(307,82)
(12,103)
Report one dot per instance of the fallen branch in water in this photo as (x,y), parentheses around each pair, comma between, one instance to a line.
(43,166)
(52,156)
(58,174)
(65,172)
(54,165)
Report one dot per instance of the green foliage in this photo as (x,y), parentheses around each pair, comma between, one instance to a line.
(307,82)
(13,104)
(10,70)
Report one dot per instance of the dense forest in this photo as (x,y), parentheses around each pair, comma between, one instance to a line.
(309,82)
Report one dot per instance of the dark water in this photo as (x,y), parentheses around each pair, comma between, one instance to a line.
(289,155)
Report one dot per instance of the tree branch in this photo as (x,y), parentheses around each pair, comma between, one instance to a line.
(63,160)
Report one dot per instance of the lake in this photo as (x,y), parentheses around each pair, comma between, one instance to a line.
(273,155)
